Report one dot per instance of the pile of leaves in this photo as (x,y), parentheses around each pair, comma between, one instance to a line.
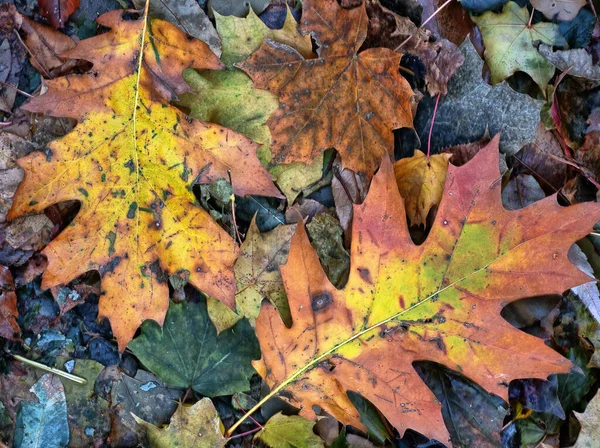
(316,223)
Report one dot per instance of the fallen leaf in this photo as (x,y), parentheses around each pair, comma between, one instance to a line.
(461,154)
(420,180)
(481,6)
(348,189)
(473,417)
(473,108)
(47,46)
(88,413)
(508,38)
(559,9)
(303,209)
(145,395)
(327,239)
(452,22)
(439,301)
(196,426)
(188,16)
(441,57)
(57,12)
(12,55)
(295,178)
(592,133)
(289,431)
(343,99)
(9,328)
(131,162)
(229,99)
(577,61)
(43,424)
(377,428)
(243,36)
(542,158)
(520,191)
(210,364)
(590,432)
(588,293)
(257,270)
(237,8)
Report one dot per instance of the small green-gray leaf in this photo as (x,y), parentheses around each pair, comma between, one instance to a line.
(191,354)
(282,431)
(43,424)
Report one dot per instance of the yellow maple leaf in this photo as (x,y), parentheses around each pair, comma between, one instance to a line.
(131,162)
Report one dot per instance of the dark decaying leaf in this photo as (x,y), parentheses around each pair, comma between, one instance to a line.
(441,57)
(472,108)
(9,328)
(188,16)
(473,416)
(191,353)
(57,12)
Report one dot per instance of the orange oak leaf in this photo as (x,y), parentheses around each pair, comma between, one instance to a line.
(439,301)
(344,99)
(131,162)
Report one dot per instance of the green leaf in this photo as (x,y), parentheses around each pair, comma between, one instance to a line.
(187,352)
(229,98)
(43,424)
(282,431)
(242,37)
(370,417)
(196,426)
(508,40)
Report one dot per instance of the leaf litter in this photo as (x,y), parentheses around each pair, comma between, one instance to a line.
(292,264)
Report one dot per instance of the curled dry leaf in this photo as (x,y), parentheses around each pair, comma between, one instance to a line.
(130,162)
(57,12)
(577,61)
(508,38)
(345,99)
(9,328)
(439,301)
(441,57)
(421,181)
(565,10)
(47,46)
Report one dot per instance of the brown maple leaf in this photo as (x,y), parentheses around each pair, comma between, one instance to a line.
(344,99)
(440,301)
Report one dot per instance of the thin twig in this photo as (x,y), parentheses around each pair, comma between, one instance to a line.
(437,101)
(252,431)
(46,368)
(424,23)
(232,198)
(250,417)
(10,86)
(46,74)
